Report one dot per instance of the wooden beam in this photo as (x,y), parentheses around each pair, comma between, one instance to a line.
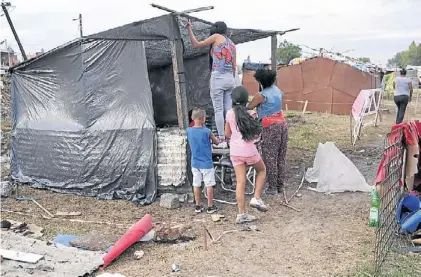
(186,14)
(182,13)
(274,47)
(305,107)
(179,81)
(287,31)
(199,9)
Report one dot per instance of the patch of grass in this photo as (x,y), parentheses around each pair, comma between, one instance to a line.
(397,265)
(315,128)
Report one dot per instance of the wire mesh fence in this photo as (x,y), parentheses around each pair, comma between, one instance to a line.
(388,235)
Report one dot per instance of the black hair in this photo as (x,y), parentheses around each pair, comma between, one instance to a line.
(218,27)
(403,71)
(248,126)
(265,77)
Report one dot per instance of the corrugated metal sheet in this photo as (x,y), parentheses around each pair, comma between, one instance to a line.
(172,156)
(327,85)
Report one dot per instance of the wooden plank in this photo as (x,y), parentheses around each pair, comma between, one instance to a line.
(201,9)
(20,256)
(178,87)
(44,209)
(305,107)
(179,80)
(68,213)
(183,13)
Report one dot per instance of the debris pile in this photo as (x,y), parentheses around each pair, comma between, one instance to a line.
(22,228)
(5,128)
(23,256)
(173,232)
(5,100)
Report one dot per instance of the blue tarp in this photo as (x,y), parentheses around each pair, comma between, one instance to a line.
(254,66)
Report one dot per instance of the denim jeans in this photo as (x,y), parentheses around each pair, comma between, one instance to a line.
(401,102)
(221,86)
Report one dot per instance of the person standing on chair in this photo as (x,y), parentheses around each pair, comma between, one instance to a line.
(243,129)
(223,65)
(403,94)
(274,138)
(199,138)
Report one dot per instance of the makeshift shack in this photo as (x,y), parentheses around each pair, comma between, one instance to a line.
(85,113)
(328,85)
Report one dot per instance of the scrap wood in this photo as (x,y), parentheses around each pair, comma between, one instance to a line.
(298,189)
(71,220)
(285,196)
(44,209)
(68,213)
(205,237)
(291,207)
(217,217)
(20,256)
(225,232)
(207,233)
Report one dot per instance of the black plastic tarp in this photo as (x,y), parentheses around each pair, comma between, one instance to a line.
(197,87)
(84,113)
(168,26)
(83,122)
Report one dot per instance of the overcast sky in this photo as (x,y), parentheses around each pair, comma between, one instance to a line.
(371,28)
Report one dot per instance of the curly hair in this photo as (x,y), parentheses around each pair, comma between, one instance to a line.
(265,77)
(248,126)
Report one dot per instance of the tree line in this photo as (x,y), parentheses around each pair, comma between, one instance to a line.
(411,56)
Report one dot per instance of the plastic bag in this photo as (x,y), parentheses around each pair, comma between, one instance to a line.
(334,172)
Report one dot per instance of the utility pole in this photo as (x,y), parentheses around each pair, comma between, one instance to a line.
(4,6)
(80,24)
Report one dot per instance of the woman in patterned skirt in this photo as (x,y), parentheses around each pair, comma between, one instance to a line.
(274,139)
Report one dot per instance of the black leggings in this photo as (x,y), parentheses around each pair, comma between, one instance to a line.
(401,102)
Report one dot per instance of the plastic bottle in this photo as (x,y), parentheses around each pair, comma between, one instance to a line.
(374,210)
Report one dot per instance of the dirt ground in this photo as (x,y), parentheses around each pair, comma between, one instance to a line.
(328,237)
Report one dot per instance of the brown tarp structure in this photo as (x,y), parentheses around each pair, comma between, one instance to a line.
(327,85)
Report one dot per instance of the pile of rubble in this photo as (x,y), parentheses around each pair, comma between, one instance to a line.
(5,128)
(5,100)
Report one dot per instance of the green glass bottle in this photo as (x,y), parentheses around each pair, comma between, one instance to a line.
(374,210)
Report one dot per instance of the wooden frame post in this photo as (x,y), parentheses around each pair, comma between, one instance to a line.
(274,48)
(179,80)
(178,64)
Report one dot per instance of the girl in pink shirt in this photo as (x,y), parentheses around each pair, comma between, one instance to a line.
(243,128)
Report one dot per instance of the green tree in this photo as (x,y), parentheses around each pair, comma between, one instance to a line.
(287,51)
(411,56)
(364,60)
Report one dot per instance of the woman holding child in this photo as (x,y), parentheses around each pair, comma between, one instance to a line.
(223,65)
(274,138)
